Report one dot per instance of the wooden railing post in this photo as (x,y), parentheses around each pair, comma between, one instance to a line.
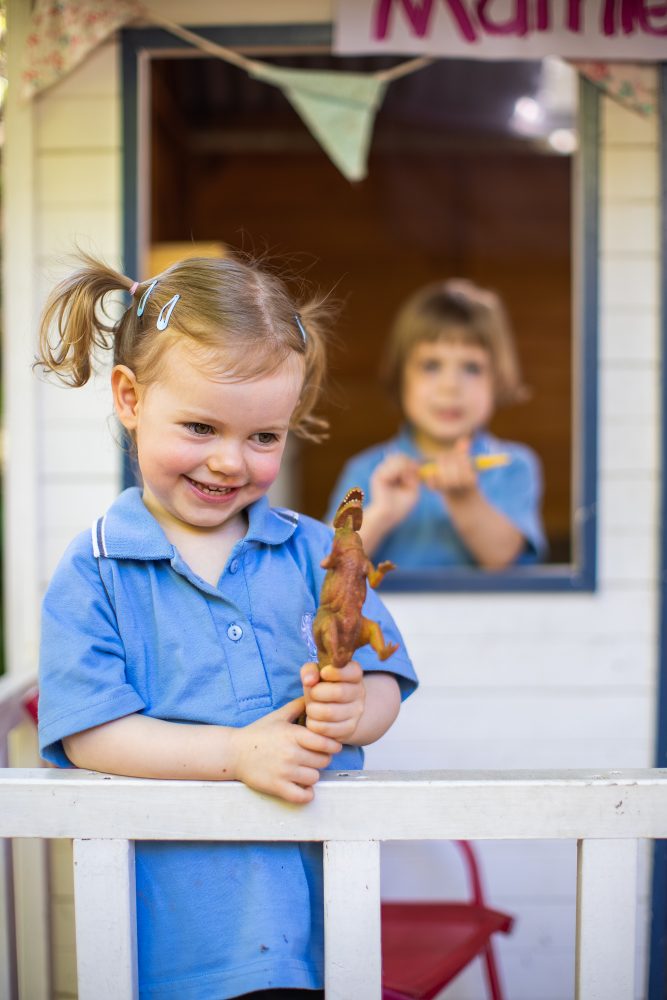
(106,926)
(606,919)
(8,976)
(352,956)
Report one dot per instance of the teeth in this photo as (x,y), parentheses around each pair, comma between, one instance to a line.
(211,489)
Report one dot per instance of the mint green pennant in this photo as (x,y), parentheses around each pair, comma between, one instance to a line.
(338,108)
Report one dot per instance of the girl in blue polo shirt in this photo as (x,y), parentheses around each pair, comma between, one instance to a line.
(445,492)
(176,634)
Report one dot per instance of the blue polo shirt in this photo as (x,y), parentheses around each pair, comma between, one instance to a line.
(128,627)
(426,538)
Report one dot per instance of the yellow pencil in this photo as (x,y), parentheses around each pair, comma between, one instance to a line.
(481,462)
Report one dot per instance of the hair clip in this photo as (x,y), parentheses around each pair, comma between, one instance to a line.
(165,312)
(144,298)
(301,328)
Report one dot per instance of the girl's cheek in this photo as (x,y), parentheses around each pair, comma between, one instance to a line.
(266,471)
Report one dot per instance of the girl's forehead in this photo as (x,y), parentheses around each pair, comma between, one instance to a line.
(194,362)
(449,345)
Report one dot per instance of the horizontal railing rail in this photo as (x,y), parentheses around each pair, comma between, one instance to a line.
(606,812)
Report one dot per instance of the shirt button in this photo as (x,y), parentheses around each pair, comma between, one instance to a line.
(235,632)
(233,566)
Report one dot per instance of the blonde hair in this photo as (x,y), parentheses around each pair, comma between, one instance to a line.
(241,320)
(455,311)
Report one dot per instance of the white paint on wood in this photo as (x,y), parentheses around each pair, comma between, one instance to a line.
(629,172)
(606,903)
(352,956)
(20,494)
(80,122)
(632,281)
(8,972)
(78,179)
(357,805)
(104,895)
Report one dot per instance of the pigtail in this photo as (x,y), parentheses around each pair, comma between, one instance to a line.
(75,321)
(315,317)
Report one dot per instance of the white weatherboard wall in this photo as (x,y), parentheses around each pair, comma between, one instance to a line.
(507,680)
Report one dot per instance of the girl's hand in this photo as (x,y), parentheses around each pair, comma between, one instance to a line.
(452,474)
(273,755)
(335,699)
(394,488)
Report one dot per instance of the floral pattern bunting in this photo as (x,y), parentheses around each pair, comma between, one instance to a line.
(64,32)
(635,85)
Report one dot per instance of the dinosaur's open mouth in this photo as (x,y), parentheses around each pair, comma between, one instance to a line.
(351,507)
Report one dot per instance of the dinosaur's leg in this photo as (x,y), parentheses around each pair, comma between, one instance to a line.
(376,575)
(325,634)
(372,633)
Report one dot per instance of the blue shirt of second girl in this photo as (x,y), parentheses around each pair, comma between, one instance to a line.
(426,538)
(128,627)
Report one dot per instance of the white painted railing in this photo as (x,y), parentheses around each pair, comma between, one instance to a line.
(352,813)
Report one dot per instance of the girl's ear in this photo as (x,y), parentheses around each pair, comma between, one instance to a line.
(125,396)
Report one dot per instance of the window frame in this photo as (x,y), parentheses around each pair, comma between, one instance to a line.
(139,45)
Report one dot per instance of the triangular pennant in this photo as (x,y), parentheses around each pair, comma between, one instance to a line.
(338,108)
(635,85)
(63,34)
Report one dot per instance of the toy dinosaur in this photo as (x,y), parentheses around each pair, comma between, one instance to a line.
(339,627)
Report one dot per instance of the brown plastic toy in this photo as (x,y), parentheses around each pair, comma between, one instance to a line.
(339,627)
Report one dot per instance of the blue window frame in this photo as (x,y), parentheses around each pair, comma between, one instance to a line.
(579,574)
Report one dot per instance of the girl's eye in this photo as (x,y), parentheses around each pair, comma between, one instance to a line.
(430,365)
(199,429)
(266,437)
(473,368)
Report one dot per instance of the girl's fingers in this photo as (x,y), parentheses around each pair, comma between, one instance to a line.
(351,673)
(316,743)
(335,694)
(344,729)
(310,675)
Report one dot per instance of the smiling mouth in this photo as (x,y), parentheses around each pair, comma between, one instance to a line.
(213,491)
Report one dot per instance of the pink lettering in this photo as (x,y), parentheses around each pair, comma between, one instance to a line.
(645,14)
(517,25)
(418,14)
(543,19)
(574,15)
(419,17)
(627,16)
(609,17)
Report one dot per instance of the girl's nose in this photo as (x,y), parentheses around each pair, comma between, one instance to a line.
(226,459)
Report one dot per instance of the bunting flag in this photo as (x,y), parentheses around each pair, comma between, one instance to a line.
(634,85)
(338,108)
(64,32)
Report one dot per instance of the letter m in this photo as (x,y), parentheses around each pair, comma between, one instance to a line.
(419,15)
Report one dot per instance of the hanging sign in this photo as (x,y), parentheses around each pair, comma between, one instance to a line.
(504,29)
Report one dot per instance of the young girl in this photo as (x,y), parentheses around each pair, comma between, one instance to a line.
(432,501)
(165,651)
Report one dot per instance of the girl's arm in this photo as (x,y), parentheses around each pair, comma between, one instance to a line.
(349,705)
(271,755)
(488,535)
(394,491)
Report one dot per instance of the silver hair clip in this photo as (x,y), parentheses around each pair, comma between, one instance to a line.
(301,328)
(165,312)
(144,298)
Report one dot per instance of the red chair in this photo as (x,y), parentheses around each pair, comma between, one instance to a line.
(30,703)
(426,945)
